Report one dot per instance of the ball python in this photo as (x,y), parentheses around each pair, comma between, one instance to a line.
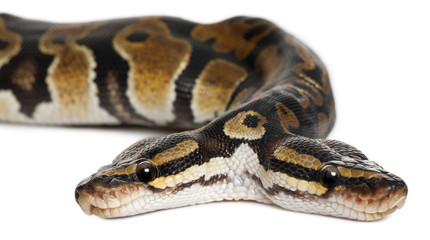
(253,102)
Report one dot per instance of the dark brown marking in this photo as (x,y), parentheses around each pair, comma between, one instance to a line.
(211,181)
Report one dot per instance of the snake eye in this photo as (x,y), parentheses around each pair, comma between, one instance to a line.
(329,176)
(146,171)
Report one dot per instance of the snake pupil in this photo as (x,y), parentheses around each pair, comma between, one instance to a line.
(146,171)
(329,176)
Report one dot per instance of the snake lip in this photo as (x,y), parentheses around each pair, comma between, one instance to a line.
(109,202)
(371,207)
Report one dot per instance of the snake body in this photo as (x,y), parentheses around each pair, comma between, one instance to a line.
(260,99)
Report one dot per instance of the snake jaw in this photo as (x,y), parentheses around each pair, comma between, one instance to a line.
(369,206)
(109,202)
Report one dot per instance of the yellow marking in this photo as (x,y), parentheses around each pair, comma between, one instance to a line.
(155,64)
(160,184)
(13,41)
(230,35)
(235,127)
(356,173)
(71,78)
(214,88)
(178,178)
(128,170)
(169,181)
(289,155)
(25,74)
(180,150)
(287,117)
(292,181)
(288,182)
(303,185)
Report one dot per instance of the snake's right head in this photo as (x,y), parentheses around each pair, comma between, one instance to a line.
(330,177)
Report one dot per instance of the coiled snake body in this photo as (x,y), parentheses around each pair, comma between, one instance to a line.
(261,99)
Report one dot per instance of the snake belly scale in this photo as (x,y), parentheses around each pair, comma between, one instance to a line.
(259,100)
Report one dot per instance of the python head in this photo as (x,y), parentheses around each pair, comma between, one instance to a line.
(324,177)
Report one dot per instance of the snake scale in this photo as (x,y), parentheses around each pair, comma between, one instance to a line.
(259,102)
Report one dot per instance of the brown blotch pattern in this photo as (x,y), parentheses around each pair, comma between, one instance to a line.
(235,127)
(25,75)
(214,88)
(12,43)
(287,117)
(155,63)
(230,35)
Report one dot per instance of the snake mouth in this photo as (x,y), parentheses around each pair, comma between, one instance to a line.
(119,201)
(115,202)
(357,207)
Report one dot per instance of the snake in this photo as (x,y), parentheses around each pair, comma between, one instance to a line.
(250,105)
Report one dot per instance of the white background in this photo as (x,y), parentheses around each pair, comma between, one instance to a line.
(378,56)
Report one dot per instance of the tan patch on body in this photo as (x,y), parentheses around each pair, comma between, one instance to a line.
(70,79)
(12,43)
(155,64)
(287,117)
(235,127)
(180,150)
(214,88)
(270,64)
(323,125)
(25,75)
(230,35)
(290,155)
